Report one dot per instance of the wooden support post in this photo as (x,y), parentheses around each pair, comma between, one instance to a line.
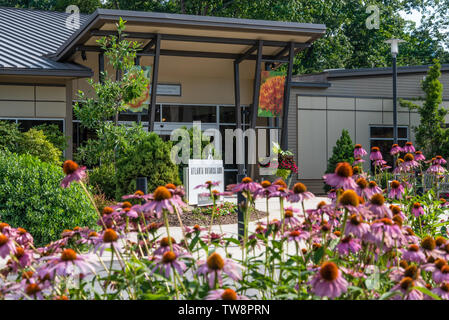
(154,80)
(284,131)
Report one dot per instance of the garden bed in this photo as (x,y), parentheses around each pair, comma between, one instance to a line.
(197,215)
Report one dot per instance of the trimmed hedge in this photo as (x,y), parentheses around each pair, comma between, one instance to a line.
(31,198)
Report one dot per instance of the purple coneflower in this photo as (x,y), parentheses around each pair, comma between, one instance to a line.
(299,193)
(24,258)
(362,188)
(247,184)
(167,261)
(73,172)
(396,190)
(429,247)
(328,281)
(395,210)
(395,149)
(439,269)
(207,185)
(405,286)
(359,151)
(409,148)
(347,245)
(374,188)
(64,264)
(419,156)
(266,190)
(349,200)
(7,246)
(377,206)
(442,291)
(290,218)
(409,162)
(387,231)
(413,254)
(164,246)
(296,235)
(417,209)
(215,265)
(23,237)
(375,154)
(440,160)
(357,161)
(342,177)
(356,226)
(162,200)
(108,239)
(224,294)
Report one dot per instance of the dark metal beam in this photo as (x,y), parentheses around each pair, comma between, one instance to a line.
(187,38)
(256,89)
(149,45)
(246,55)
(100,66)
(154,82)
(284,131)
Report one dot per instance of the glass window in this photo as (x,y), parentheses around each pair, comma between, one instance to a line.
(27,124)
(382,137)
(182,113)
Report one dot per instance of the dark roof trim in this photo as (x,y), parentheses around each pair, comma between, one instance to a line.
(380,71)
(101,16)
(310,84)
(47,72)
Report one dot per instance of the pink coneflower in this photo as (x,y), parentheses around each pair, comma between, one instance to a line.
(342,178)
(419,156)
(396,190)
(395,210)
(440,160)
(290,218)
(23,237)
(169,261)
(377,206)
(348,244)
(207,185)
(429,247)
(375,154)
(162,200)
(359,151)
(196,229)
(409,162)
(358,161)
(213,238)
(436,169)
(349,200)
(137,195)
(442,291)
(405,286)
(164,246)
(387,231)
(266,190)
(381,164)
(108,239)
(24,258)
(417,209)
(413,254)
(395,149)
(73,173)
(356,226)
(296,235)
(410,235)
(328,281)
(7,246)
(215,265)
(224,294)
(374,188)
(409,148)
(68,263)
(299,193)
(439,269)
(362,188)
(247,184)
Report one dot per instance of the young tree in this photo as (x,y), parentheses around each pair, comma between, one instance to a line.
(113,95)
(343,151)
(431,134)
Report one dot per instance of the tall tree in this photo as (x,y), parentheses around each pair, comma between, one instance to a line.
(431,134)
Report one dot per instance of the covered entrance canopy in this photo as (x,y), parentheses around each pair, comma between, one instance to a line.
(264,42)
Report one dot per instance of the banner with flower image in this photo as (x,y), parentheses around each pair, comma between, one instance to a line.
(143,102)
(271,97)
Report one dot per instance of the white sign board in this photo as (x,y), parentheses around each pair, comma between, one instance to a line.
(198,172)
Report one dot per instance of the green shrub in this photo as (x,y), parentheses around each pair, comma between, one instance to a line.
(31,198)
(35,143)
(103,180)
(148,156)
(9,136)
(343,151)
(54,135)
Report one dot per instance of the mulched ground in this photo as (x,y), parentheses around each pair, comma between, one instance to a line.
(191,219)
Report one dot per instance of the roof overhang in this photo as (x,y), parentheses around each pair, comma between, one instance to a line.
(195,35)
(85,73)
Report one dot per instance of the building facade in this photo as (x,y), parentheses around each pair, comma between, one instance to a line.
(359,100)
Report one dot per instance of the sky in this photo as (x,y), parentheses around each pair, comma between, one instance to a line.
(414,16)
